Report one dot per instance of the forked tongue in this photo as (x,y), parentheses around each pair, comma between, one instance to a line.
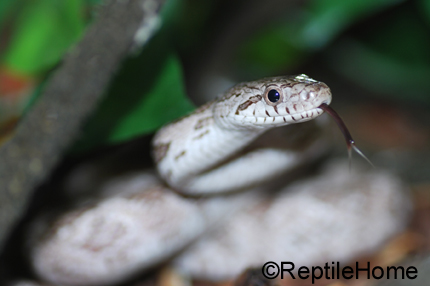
(348,138)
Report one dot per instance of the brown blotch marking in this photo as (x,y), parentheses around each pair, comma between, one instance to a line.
(273,119)
(286,85)
(201,135)
(246,104)
(293,118)
(276,109)
(250,87)
(267,113)
(234,94)
(203,122)
(315,86)
(160,151)
(243,106)
(287,110)
(203,108)
(295,107)
(284,119)
(235,91)
(180,155)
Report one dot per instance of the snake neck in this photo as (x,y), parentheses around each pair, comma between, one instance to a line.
(194,145)
(195,154)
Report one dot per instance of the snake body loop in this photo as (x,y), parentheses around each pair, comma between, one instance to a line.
(190,153)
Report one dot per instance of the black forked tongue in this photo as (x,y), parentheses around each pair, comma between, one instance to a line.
(348,138)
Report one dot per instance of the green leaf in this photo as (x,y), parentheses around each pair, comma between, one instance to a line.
(164,102)
(44,30)
(147,93)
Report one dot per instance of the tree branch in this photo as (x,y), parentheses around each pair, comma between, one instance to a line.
(70,96)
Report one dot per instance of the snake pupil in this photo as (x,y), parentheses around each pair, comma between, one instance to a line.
(273,95)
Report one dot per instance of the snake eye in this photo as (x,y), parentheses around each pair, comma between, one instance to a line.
(273,96)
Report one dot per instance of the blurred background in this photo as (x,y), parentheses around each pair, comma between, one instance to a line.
(375,56)
(366,51)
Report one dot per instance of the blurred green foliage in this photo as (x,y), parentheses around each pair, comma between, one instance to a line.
(5,7)
(146,93)
(380,45)
(305,31)
(43,31)
(391,59)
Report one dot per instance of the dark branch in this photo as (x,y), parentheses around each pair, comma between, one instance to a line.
(71,95)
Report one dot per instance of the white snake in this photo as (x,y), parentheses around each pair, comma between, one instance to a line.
(136,222)
(192,153)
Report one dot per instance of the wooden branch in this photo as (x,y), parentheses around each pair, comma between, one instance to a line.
(69,98)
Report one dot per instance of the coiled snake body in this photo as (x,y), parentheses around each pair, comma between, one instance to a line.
(189,152)
(137,222)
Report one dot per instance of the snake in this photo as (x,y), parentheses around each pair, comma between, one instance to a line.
(195,155)
(136,221)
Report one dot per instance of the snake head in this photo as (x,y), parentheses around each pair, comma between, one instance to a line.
(272,102)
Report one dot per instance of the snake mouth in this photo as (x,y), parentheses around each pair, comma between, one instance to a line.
(306,115)
(280,120)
